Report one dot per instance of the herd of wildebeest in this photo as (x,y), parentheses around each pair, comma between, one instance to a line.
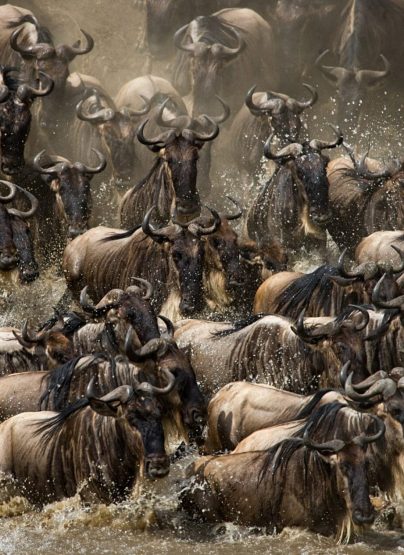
(180,323)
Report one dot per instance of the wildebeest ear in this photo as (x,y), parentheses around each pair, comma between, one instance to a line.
(105,408)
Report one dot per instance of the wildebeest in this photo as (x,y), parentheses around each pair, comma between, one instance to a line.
(116,122)
(216,50)
(16,244)
(171,184)
(272,488)
(252,125)
(292,207)
(360,38)
(267,349)
(176,259)
(44,456)
(240,408)
(365,196)
(385,248)
(326,290)
(16,97)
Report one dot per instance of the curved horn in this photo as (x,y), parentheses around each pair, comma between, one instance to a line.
(146,108)
(197,230)
(290,151)
(238,214)
(41,50)
(88,306)
(149,288)
(12,191)
(398,302)
(386,387)
(29,213)
(225,113)
(316,144)
(26,92)
(72,51)
(270,105)
(169,325)
(199,136)
(122,393)
(369,381)
(149,388)
(343,373)
(101,115)
(178,37)
(97,169)
(156,346)
(362,325)
(298,106)
(147,229)
(333,74)
(368,77)
(179,122)
(333,446)
(37,165)
(226,52)
(364,439)
(366,270)
(155,144)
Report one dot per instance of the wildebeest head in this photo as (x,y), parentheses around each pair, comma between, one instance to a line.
(16,98)
(349,459)
(282,111)
(178,150)
(140,407)
(50,342)
(211,45)
(351,86)
(187,249)
(132,306)
(172,360)
(117,129)
(50,59)
(386,187)
(16,248)
(71,184)
(308,168)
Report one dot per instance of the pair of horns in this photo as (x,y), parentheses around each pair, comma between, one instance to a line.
(95,112)
(361,168)
(184,125)
(25,92)
(294,150)
(44,51)
(193,227)
(13,188)
(146,291)
(156,347)
(318,333)
(277,103)
(366,270)
(337,445)
(377,386)
(217,50)
(57,164)
(364,77)
(398,302)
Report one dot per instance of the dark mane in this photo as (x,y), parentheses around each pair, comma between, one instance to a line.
(144,181)
(51,425)
(298,294)
(239,325)
(58,382)
(123,235)
(311,404)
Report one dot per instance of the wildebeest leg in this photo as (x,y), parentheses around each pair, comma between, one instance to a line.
(8,487)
